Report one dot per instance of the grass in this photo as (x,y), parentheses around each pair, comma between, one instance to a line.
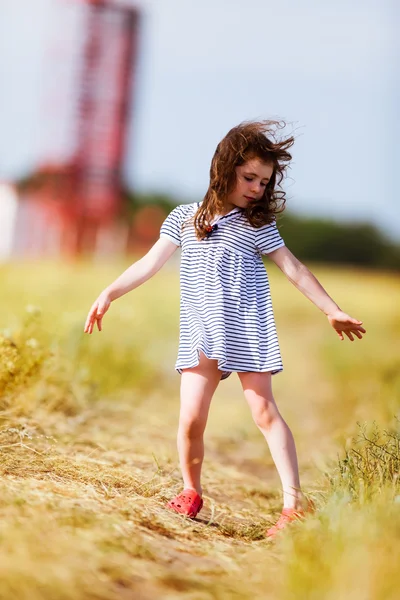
(88,458)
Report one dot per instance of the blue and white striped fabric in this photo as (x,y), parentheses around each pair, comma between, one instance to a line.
(226,310)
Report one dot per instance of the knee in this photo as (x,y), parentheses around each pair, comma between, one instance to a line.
(191,427)
(265,415)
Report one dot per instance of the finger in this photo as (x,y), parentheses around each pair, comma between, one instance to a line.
(358,334)
(92,323)
(356,321)
(356,330)
(353,326)
(91,314)
(340,334)
(99,317)
(349,335)
(87,322)
(87,325)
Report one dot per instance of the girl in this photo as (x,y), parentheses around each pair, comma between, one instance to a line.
(226,316)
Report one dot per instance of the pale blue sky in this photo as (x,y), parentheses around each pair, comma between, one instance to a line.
(329,68)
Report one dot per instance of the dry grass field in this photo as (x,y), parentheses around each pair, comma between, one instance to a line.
(88,456)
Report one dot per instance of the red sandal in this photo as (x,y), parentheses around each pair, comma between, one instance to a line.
(288,515)
(188,503)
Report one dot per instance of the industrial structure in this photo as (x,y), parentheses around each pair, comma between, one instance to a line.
(70,205)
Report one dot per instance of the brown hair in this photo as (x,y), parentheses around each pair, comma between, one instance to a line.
(242,143)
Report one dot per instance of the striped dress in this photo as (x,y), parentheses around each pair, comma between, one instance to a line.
(225,302)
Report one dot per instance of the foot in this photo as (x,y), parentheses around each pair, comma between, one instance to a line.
(188,503)
(288,515)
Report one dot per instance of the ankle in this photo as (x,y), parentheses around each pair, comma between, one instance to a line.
(195,488)
(295,500)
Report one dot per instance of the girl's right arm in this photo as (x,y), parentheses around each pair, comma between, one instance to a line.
(130,279)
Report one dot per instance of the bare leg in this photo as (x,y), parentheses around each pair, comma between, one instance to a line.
(258,392)
(197,389)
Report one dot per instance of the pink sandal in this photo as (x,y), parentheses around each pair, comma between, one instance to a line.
(188,503)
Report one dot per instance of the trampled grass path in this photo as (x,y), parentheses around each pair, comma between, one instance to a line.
(88,457)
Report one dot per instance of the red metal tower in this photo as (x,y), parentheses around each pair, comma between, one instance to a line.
(103,106)
(80,197)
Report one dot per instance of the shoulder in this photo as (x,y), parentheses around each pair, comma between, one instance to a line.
(261,230)
(267,229)
(189,209)
(268,238)
(173,223)
(267,226)
(183,211)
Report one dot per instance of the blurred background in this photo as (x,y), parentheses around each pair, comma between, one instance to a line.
(110,113)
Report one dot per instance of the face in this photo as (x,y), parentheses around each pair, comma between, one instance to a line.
(251,180)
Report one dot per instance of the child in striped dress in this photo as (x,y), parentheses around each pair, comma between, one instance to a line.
(226,316)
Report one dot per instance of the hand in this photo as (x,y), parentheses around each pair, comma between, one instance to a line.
(343,323)
(97,312)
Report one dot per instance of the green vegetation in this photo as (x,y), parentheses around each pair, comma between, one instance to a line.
(313,240)
(327,241)
(88,455)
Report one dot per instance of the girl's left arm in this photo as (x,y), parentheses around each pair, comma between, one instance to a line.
(309,285)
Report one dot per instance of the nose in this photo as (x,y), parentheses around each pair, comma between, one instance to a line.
(255,187)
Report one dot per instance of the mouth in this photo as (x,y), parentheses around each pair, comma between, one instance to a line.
(249,198)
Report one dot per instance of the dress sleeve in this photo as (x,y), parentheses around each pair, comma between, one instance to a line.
(268,238)
(171,228)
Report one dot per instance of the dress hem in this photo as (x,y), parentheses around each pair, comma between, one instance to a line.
(227,372)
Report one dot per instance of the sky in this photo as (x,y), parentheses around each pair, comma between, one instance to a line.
(329,69)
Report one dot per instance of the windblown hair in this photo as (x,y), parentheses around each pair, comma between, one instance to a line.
(247,141)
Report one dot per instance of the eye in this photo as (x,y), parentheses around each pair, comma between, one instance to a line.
(248,178)
(264,184)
